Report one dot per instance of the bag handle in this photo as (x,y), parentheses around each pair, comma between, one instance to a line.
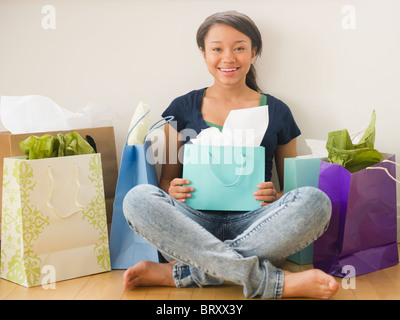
(164,121)
(80,207)
(386,170)
(219,180)
(152,128)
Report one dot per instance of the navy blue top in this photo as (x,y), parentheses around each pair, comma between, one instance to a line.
(282,127)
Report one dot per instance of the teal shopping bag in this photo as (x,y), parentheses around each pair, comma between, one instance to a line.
(223,177)
(301,172)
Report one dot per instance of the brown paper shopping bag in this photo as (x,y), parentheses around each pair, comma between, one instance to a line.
(53,217)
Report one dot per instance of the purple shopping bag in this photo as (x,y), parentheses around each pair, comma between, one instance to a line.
(363,229)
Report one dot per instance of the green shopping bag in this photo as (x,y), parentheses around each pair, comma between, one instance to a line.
(223,177)
(301,172)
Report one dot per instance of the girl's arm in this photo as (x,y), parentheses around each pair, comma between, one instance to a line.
(171,181)
(288,150)
(267,192)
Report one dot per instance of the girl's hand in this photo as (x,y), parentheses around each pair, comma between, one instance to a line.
(266,193)
(178,191)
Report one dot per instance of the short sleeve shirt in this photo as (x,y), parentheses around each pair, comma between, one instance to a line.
(189,121)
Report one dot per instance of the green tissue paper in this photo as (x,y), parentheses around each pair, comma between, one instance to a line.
(353,157)
(47,146)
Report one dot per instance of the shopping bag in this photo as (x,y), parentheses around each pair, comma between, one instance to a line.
(137,167)
(54,218)
(301,171)
(104,140)
(223,177)
(362,231)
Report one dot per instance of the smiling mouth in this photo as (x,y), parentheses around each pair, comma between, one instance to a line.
(228,70)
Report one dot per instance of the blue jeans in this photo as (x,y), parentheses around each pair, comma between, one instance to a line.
(244,248)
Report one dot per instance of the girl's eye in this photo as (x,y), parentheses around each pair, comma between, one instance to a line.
(240,49)
(217,49)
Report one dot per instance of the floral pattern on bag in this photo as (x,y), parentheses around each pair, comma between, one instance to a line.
(32,221)
(95,213)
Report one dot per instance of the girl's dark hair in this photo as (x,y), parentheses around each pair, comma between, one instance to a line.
(243,24)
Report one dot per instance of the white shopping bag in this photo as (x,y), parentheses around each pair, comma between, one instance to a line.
(54,218)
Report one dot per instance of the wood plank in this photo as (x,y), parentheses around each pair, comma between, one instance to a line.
(6,289)
(205,293)
(229,292)
(63,290)
(181,294)
(103,286)
(158,293)
(135,294)
(379,285)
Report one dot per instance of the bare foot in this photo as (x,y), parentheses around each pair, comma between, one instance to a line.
(312,283)
(147,273)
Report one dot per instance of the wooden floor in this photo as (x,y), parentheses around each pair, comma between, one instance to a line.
(379,285)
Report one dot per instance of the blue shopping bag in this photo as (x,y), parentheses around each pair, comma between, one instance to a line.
(223,177)
(137,167)
(301,172)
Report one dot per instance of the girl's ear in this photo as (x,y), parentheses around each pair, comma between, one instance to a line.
(254,53)
(203,52)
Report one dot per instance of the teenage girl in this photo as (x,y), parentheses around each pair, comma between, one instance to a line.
(207,248)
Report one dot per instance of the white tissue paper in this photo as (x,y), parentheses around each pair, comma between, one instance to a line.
(243,127)
(35,113)
(139,125)
(318,148)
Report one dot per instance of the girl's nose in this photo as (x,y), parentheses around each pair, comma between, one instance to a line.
(229,56)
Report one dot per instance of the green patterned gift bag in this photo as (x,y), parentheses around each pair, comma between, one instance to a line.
(54,223)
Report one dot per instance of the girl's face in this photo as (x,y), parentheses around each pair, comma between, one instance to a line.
(228,54)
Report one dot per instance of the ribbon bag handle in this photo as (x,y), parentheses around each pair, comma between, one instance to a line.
(156,125)
(219,180)
(386,170)
(165,120)
(77,204)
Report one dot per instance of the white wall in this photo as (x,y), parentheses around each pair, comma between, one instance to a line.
(118,52)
